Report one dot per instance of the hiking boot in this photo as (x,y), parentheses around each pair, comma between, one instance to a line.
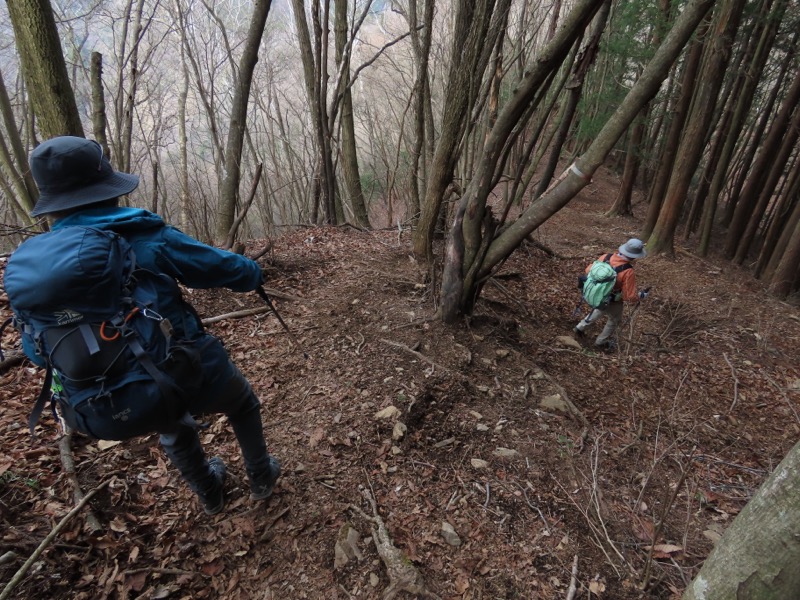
(261,487)
(581,334)
(213,501)
(607,346)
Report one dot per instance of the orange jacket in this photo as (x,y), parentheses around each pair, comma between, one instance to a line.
(626,280)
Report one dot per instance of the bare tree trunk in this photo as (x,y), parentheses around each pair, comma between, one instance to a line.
(44,69)
(459,292)
(694,137)
(622,203)
(123,158)
(585,59)
(15,162)
(670,152)
(758,554)
(752,148)
(422,103)
(183,174)
(777,237)
(229,187)
(352,177)
(755,195)
(755,58)
(99,119)
(476,30)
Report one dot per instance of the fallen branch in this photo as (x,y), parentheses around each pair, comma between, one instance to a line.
(249,312)
(237,314)
(735,383)
(47,540)
(421,357)
(573,582)
(68,462)
(667,508)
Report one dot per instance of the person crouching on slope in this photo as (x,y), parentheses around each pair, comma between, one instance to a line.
(624,290)
(79,188)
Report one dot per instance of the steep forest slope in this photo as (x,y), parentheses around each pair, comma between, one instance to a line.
(516,461)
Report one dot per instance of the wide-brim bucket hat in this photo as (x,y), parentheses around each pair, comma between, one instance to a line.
(633,248)
(72,171)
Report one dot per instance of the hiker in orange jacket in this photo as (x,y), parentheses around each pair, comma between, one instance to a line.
(624,291)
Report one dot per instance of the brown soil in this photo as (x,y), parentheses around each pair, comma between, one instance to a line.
(669,437)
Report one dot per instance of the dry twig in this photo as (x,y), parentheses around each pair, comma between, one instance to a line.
(421,357)
(573,582)
(47,540)
(735,383)
(68,462)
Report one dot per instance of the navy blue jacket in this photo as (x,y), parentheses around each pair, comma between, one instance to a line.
(162,248)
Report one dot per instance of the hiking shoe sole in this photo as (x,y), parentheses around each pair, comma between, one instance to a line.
(262,491)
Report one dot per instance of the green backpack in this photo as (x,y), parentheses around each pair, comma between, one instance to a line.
(599,282)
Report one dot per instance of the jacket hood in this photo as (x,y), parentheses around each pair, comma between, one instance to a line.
(119,219)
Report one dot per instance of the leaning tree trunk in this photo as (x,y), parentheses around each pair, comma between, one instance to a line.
(476,28)
(44,69)
(757,557)
(459,292)
(785,273)
(15,162)
(662,238)
(229,188)
(670,152)
(583,62)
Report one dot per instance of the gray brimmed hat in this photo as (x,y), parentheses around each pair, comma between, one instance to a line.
(72,171)
(633,248)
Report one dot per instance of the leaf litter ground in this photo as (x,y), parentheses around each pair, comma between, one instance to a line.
(533,447)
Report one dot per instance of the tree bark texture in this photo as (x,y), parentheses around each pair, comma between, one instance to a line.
(767,169)
(99,119)
(475,30)
(670,151)
(14,162)
(694,136)
(757,557)
(352,177)
(44,69)
(229,188)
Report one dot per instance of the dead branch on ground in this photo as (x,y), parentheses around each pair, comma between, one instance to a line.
(573,582)
(68,462)
(421,357)
(4,595)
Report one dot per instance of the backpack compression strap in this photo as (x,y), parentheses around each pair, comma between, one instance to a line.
(44,396)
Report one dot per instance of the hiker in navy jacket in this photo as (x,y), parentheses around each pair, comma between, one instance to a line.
(78,187)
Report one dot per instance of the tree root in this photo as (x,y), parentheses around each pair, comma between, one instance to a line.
(403,575)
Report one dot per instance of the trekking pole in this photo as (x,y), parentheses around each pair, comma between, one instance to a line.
(261,292)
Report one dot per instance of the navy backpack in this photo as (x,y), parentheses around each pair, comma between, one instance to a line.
(90,317)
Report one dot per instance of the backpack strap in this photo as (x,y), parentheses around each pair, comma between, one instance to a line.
(623,267)
(41,400)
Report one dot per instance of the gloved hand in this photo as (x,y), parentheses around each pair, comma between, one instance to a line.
(643,294)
